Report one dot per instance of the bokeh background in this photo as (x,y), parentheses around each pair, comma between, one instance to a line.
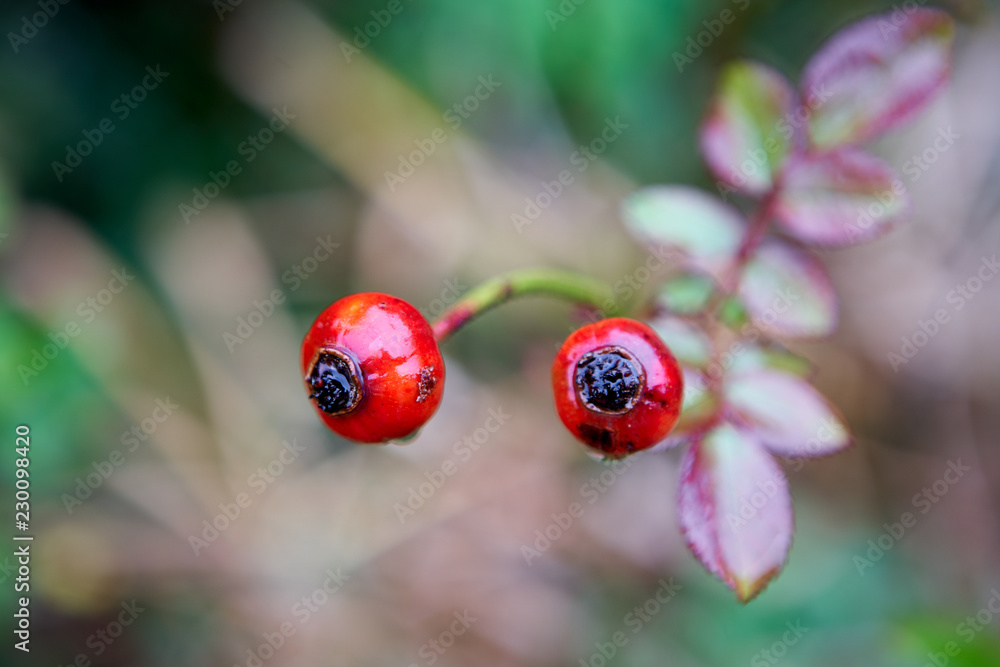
(162,399)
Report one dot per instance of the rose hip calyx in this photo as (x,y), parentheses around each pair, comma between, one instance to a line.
(609,380)
(335,381)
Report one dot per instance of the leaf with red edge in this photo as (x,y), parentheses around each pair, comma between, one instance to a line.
(735,510)
(688,341)
(787,292)
(774,357)
(706,231)
(786,414)
(840,198)
(743,139)
(876,74)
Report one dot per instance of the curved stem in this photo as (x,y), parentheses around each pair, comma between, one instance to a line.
(730,278)
(755,232)
(503,288)
(733,274)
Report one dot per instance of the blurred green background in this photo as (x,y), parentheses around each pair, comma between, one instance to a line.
(160,396)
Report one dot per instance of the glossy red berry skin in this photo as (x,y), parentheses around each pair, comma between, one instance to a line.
(372,368)
(618,388)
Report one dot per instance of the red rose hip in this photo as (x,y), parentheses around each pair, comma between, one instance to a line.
(372,368)
(617,386)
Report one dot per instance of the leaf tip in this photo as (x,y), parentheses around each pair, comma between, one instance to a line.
(748,589)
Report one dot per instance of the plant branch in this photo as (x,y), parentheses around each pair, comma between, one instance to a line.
(524,282)
(731,276)
(755,232)
(729,280)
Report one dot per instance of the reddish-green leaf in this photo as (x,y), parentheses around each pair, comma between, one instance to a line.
(840,198)
(751,357)
(685,294)
(735,510)
(877,74)
(746,135)
(788,293)
(703,229)
(686,340)
(786,413)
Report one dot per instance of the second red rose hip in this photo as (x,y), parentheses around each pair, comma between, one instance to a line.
(617,386)
(372,368)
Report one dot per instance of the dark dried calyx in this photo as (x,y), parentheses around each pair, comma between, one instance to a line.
(609,380)
(334,383)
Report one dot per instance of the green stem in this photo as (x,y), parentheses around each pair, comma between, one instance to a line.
(563,284)
(731,276)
